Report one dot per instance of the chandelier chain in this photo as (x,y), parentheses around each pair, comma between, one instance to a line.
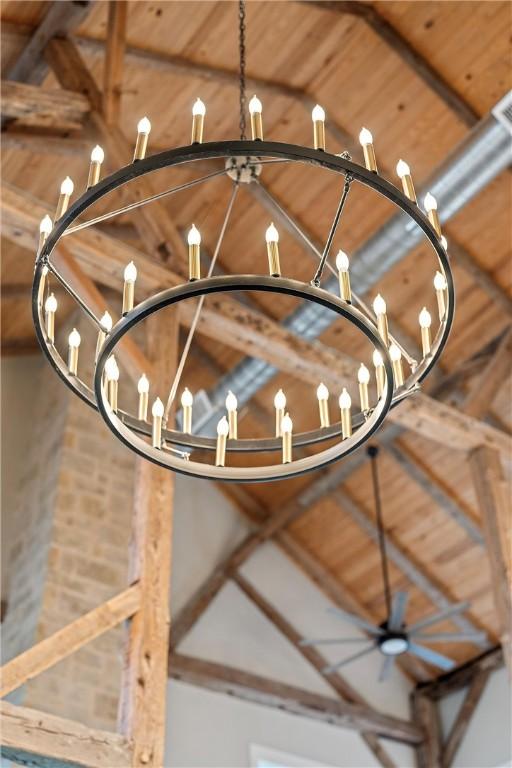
(373,453)
(241,50)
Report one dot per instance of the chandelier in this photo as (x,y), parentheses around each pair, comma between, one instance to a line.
(151,432)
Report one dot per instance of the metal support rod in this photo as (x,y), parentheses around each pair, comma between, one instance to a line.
(192,329)
(75,295)
(356,299)
(346,189)
(373,453)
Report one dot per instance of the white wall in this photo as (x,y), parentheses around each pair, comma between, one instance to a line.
(210,729)
(487,743)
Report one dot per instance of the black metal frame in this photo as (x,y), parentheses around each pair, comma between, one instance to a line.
(125,426)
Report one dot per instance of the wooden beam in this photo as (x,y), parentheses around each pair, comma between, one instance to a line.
(489,486)
(410,567)
(18,347)
(287,698)
(443,424)
(156,227)
(69,639)
(114,56)
(486,386)
(43,144)
(463,258)
(60,18)
(439,492)
(43,106)
(32,738)
(425,714)
(463,719)
(464,675)
(344,690)
(412,58)
(143,691)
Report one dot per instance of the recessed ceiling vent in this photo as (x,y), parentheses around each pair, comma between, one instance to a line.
(503,111)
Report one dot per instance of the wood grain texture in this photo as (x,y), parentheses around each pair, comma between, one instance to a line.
(43,106)
(34,738)
(249,687)
(114,59)
(463,719)
(69,639)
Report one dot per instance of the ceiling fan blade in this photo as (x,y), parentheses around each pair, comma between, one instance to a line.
(357,620)
(349,659)
(387,666)
(451,637)
(396,620)
(431,657)
(333,641)
(437,617)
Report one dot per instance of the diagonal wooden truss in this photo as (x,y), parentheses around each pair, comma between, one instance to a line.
(32,736)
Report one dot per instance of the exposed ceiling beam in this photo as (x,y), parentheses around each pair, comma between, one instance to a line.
(43,144)
(287,698)
(463,719)
(463,675)
(411,57)
(34,105)
(19,347)
(425,712)
(114,60)
(461,257)
(31,737)
(493,501)
(487,384)
(344,690)
(59,20)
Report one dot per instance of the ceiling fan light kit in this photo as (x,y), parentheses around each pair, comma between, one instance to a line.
(397,374)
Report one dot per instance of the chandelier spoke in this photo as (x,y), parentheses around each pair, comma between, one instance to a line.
(145,201)
(55,272)
(323,259)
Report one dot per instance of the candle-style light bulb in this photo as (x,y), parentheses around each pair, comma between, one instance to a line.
(379,307)
(366,141)
(404,173)
(231,406)
(194,253)
(66,190)
(425,323)
(130,276)
(395,354)
(198,113)
(74,340)
(255,110)
(143,390)
(286,435)
(380,373)
(318,116)
(157,412)
(187,402)
(112,377)
(345,403)
(430,204)
(440,288)
(444,242)
(279,405)
(222,436)
(45,227)
(106,327)
(322,394)
(363,377)
(141,145)
(272,238)
(50,307)
(342,265)
(97,157)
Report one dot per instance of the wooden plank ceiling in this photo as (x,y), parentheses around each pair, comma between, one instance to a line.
(340,61)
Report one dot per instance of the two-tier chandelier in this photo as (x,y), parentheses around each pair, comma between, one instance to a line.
(149,432)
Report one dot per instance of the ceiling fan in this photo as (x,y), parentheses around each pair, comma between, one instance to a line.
(393,637)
